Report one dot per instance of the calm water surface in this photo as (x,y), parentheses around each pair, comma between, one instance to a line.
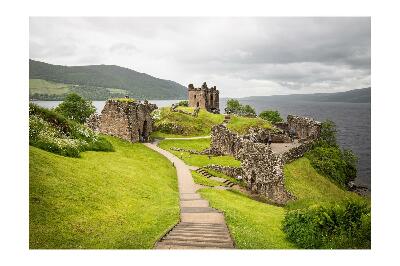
(353,122)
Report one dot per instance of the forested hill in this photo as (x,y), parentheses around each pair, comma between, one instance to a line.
(352,96)
(98,82)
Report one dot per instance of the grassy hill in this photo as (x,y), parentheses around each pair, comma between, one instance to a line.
(101,200)
(174,124)
(352,96)
(100,82)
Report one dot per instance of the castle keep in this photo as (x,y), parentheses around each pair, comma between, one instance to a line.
(204,97)
(129,120)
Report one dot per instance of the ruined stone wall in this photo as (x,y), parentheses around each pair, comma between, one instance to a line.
(261,135)
(130,121)
(297,152)
(305,128)
(262,169)
(231,171)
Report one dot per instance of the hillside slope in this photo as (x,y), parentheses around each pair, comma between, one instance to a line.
(99,82)
(352,96)
(102,200)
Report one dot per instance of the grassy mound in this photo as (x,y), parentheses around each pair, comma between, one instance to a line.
(52,132)
(170,123)
(241,125)
(101,200)
(195,159)
(310,188)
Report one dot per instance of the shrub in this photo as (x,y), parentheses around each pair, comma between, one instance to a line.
(52,132)
(76,108)
(328,134)
(329,160)
(339,166)
(271,116)
(339,226)
(183,103)
(234,107)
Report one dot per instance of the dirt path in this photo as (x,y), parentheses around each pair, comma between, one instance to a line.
(200,225)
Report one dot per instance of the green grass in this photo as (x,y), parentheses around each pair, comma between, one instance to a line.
(124,100)
(101,200)
(310,187)
(117,91)
(202,180)
(258,225)
(41,86)
(191,126)
(194,159)
(253,225)
(219,174)
(241,125)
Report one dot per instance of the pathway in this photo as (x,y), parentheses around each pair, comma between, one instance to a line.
(200,226)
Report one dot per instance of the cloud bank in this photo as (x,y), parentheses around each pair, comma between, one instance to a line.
(241,56)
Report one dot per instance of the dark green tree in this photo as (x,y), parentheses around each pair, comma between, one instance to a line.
(247,110)
(232,107)
(75,108)
(328,133)
(271,116)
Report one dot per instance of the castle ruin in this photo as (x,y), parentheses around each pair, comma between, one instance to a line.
(262,167)
(127,119)
(204,97)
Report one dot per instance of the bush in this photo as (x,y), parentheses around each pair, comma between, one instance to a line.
(271,116)
(183,103)
(76,108)
(329,160)
(52,132)
(341,226)
(339,166)
(234,107)
(328,134)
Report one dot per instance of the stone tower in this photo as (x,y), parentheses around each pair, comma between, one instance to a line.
(204,97)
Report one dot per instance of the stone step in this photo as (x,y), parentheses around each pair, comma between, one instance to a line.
(162,245)
(196,244)
(197,210)
(190,196)
(203,239)
(194,203)
(199,233)
(203,218)
(201,224)
(200,230)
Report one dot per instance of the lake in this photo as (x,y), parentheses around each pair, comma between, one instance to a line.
(353,122)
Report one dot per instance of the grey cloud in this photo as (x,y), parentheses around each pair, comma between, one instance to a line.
(303,54)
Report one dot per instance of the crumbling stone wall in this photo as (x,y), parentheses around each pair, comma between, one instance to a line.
(128,120)
(261,135)
(305,128)
(204,97)
(262,169)
(297,152)
(235,172)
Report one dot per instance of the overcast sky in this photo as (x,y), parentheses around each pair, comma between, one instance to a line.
(241,56)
